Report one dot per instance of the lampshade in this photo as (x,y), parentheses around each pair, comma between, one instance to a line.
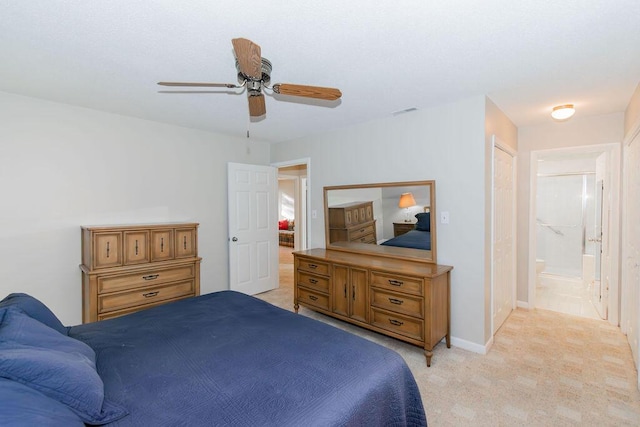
(406,200)
(563,112)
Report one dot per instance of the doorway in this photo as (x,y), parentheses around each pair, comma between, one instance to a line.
(573,231)
(293,199)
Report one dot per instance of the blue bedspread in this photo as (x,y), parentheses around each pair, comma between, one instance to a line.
(415,239)
(230,359)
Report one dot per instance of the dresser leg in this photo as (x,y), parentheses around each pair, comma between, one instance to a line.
(448,340)
(428,355)
(296,307)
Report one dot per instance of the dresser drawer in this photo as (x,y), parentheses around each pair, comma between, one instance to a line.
(398,323)
(144,278)
(313,281)
(118,313)
(313,266)
(397,302)
(152,294)
(360,232)
(316,299)
(369,238)
(410,285)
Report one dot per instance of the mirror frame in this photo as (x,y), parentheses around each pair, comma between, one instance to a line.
(419,255)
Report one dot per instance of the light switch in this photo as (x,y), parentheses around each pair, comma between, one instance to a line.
(444,217)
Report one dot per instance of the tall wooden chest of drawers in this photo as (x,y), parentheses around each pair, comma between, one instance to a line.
(352,222)
(127,268)
(404,299)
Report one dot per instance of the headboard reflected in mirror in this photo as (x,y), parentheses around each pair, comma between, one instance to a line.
(393,219)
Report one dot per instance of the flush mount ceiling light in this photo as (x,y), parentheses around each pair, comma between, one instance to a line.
(563,112)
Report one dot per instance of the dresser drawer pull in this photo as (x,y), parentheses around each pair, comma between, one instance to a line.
(151,277)
(396,282)
(184,242)
(396,322)
(345,291)
(136,246)
(108,249)
(151,294)
(313,281)
(395,301)
(313,297)
(312,266)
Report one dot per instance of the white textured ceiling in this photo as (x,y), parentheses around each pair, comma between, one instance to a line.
(385,56)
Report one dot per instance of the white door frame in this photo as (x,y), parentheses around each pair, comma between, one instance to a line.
(614,168)
(499,145)
(305,228)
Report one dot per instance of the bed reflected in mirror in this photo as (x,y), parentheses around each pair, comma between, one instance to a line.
(390,219)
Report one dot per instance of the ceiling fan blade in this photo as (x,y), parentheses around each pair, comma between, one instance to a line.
(257,107)
(328,93)
(249,57)
(183,84)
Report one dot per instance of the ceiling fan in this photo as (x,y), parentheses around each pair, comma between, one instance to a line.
(254,74)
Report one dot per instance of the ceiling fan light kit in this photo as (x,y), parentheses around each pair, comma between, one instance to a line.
(254,74)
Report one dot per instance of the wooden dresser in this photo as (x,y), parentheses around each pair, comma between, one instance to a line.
(127,268)
(352,222)
(400,298)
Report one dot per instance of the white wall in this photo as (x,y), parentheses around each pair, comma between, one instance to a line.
(576,132)
(62,167)
(446,144)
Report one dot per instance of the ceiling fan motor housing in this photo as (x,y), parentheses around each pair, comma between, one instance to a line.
(253,84)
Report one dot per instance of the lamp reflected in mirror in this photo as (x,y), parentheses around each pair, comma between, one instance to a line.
(406,201)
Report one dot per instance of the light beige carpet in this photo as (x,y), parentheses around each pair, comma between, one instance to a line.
(544,369)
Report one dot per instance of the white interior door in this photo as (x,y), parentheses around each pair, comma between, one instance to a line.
(503,262)
(599,291)
(253,228)
(631,247)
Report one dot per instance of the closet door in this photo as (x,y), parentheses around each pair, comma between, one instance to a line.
(503,230)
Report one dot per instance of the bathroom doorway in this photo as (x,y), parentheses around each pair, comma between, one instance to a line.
(571,222)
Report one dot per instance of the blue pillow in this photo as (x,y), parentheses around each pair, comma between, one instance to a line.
(35,309)
(56,365)
(23,406)
(424,221)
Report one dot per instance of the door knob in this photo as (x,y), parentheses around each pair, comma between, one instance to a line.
(234,239)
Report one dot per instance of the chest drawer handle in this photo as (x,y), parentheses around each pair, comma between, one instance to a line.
(396,322)
(313,281)
(395,282)
(151,277)
(151,294)
(395,301)
(313,297)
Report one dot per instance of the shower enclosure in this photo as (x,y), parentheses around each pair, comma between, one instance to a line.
(566,220)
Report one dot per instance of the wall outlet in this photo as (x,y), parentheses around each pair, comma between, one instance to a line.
(444,217)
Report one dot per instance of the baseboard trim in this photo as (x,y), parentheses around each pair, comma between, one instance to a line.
(471,346)
(523,304)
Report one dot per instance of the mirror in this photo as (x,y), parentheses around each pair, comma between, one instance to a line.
(393,219)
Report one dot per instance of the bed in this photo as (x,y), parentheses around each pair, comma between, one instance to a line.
(223,358)
(418,238)
(415,239)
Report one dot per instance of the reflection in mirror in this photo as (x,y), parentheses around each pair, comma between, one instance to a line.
(391,219)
